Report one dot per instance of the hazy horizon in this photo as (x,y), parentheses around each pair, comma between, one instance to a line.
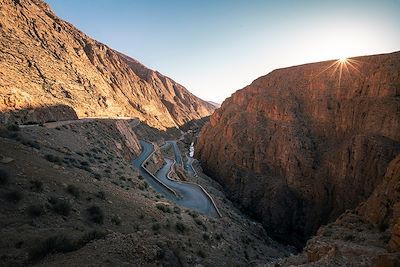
(214,48)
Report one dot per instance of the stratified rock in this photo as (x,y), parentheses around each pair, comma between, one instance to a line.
(46,61)
(301,145)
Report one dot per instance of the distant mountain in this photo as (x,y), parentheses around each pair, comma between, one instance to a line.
(301,145)
(47,61)
(214,104)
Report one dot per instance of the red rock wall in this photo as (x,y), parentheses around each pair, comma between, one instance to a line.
(47,61)
(297,147)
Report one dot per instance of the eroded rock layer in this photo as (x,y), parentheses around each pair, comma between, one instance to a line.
(301,145)
(47,61)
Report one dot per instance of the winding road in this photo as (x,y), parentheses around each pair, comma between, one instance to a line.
(178,158)
(191,196)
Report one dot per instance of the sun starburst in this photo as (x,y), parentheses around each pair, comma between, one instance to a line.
(340,67)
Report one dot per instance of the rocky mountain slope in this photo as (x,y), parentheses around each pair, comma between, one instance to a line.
(47,61)
(301,145)
(69,196)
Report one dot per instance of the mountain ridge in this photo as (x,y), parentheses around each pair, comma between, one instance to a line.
(68,67)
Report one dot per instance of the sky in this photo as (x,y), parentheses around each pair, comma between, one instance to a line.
(215,47)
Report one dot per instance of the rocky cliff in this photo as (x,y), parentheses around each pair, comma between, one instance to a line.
(301,145)
(366,236)
(47,61)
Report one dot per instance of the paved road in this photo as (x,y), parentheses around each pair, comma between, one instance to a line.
(177,152)
(147,149)
(178,158)
(191,195)
(189,166)
(133,122)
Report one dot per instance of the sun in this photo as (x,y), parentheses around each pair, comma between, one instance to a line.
(341,67)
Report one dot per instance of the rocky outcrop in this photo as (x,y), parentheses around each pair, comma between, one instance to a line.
(39,115)
(129,137)
(47,61)
(365,236)
(301,145)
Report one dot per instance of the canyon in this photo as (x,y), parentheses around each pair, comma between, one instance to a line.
(299,146)
(299,168)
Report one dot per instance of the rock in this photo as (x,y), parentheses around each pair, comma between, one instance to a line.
(387,260)
(6,160)
(296,149)
(60,66)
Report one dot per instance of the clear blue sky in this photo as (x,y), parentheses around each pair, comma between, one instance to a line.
(216,47)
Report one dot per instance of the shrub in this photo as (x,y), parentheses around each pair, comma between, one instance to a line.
(143,185)
(73,190)
(219,236)
(95,214)
(201,253)
(54,244)
(97,176)
(13,196)
(60,206)
(156,227)
(33,144)
(101,195)
(4,177)
(35,210)
(36,186)
(349,237)
(206,236)
(180,227)
(84,163)
(177,210)
(91,235)
(163,207)
(383,226)
(52,158)
(116,220)
(194,214)
(13,127)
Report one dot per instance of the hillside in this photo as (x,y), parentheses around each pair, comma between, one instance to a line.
(299,146)
(47,61)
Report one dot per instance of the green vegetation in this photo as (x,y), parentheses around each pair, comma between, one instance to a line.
(60,243)
(14,196)
(33,144)
(60,206)
(116,220)
(36,186)
(193,213)
(13,127)
(53,158)
(101,195)
(73,190)
(156,227)
(35,210)
(180,227)
(53,244)
(163,207)
(95,214)
(201,253)
(4,177)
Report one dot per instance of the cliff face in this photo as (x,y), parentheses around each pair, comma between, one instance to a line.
(300,145)
(366,236)
(47,61)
